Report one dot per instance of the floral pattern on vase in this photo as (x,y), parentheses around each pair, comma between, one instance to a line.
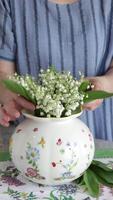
(70,164)
(53,143)
(32,156)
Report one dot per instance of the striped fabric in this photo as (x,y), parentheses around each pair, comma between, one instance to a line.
(75,37)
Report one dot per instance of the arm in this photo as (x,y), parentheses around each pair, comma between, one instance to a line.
(6,69)
(109,78)
(12,103)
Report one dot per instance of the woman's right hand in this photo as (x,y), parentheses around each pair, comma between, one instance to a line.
(12,107)
(12,104)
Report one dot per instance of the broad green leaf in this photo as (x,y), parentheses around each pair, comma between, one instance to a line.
(106,175)
(93,95)
(101,165)
(66,198)
(84,86)
(30,161)
(18,89)
(91,183)
(80,181)
(102,181)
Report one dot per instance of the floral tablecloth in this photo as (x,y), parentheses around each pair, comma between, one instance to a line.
(13,186)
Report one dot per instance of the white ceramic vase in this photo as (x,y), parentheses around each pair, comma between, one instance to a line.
(50,150)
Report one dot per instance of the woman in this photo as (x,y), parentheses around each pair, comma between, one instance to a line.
(74,35)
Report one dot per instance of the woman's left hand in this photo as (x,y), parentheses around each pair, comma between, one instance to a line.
(99,83)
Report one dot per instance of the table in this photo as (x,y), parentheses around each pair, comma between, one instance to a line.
(13,186)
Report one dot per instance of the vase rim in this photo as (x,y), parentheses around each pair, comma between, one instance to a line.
(28,115)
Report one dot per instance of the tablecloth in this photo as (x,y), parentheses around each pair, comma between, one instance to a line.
(13,186)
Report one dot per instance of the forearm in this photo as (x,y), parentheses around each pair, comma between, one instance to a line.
(109,79)
(6,69)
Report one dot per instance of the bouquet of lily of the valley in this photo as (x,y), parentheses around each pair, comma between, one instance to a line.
(54,94)
(58,95)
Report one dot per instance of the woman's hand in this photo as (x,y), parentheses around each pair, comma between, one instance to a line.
(12,107)
(99,83)
(12,104)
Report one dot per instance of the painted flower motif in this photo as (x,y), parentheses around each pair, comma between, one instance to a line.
(42,142)
(83,130)
(59,142)
(32,153)
(62,151)
(67,174)
(19,130)
(21,157)
(53,164)
(90,137)
(68,144)
(31,172)
(35,129)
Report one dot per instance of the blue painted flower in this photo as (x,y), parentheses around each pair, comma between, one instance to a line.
(32,153)
(66,174)
(68,144)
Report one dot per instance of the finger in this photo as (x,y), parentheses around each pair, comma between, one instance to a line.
(4,123)
(93,105)
(12,110)
(4,118)
(25,104)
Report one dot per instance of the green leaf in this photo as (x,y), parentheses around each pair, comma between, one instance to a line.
(52,196)
(93,95)
(80,182)
(91,183)
(18,89)
(34,164)
(106,175)
(84,86)
(101,165)
(102,181)
(30,161)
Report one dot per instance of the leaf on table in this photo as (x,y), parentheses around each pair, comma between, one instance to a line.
(106,175)
(92,183)
(102,165)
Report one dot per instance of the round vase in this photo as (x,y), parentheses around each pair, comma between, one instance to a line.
(52,151)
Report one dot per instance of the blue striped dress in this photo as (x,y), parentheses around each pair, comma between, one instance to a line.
(74,37)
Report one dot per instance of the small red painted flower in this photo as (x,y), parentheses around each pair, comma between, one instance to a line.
(59,142)
(53,164)
(31,172)
(35,129)
(19,130)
